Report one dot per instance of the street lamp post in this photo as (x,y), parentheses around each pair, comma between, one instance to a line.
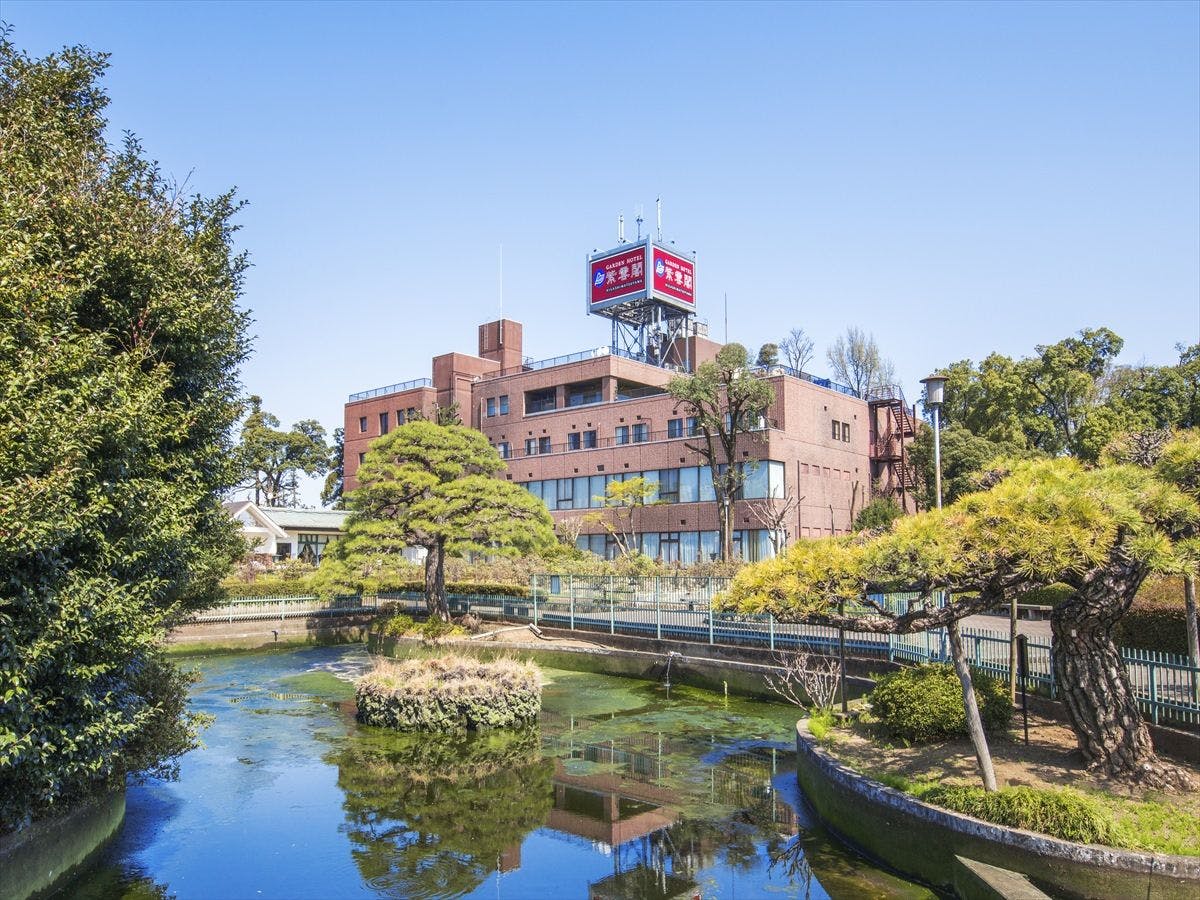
(935,388)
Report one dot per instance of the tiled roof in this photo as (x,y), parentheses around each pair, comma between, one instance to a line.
(293,519)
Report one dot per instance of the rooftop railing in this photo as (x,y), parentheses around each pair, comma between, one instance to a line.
(806,376)
(392,389)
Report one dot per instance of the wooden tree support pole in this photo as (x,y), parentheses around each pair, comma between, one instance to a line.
(974,723)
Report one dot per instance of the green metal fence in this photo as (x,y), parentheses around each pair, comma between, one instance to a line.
(680,608)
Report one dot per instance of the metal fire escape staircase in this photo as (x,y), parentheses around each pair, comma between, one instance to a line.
(893,427)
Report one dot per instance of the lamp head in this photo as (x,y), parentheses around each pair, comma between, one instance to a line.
(935,386)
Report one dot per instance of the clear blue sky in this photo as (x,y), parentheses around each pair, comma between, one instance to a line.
(955,178)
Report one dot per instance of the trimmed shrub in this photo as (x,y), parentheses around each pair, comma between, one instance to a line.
(1059,812)
(924,703)
(1157,620)
(1050,595)
(450,693)
(398,626)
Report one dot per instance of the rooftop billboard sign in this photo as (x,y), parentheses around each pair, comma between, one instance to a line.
(642,271)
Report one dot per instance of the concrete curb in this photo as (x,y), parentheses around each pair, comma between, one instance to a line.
(922,840)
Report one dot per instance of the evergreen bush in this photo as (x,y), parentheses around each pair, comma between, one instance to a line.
(924,703)
(1157,619)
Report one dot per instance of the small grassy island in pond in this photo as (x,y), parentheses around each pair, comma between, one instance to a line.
(450,693)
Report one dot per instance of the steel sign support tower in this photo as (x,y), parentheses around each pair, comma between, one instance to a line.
(651,313)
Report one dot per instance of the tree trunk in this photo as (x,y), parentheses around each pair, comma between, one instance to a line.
(1100,703)
(1012,651)
(726,524)
(435,582)
(1193,632)
(974,723)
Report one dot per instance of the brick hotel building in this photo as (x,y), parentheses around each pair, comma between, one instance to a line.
(569,425)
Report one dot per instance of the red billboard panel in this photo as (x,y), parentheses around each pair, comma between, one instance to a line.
(619,274)
(674,277)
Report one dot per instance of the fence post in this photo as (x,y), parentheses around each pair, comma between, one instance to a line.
(612,614)
(710,623)
(771,631)
(1153,688)
(657,611)
(572,612)
(891,656)
(534,592)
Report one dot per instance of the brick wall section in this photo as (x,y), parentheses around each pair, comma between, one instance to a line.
(826,471)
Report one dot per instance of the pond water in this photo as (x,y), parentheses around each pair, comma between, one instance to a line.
(621,792)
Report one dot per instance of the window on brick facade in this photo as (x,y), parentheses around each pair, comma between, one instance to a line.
(573,440)
(383,423)
(362,424)
(846,432)
(543,445)
(693,426)
(837,430)
(641,433)
(503,449)
(491,406)
(361,458)
(531,446)
(674,428)
(540,401)
(504,404)
(589,439)
(668,485)
(622,434)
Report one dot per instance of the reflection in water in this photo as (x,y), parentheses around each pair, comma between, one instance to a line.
(621,792)
(433,815)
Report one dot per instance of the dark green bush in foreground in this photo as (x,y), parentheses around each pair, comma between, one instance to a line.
(924,703)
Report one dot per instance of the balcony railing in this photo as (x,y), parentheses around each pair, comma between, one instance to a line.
(534,365)
(392,389)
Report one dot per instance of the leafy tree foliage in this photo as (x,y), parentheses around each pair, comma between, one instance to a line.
(1099,530)
(272,458)
(727,400)
(964,457)
(879,513)
(120,341)
(435,486)
(1070,397)
(331,493)
(622,502)
(857,362)
(768,355)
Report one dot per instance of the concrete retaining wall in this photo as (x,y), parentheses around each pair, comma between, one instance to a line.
(259,634)
(922,840)
(35,858)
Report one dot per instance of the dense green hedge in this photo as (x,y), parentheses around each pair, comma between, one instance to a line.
(1157,620)
(925,703)
(1050,595)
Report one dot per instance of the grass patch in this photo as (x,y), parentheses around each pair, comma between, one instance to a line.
(821,722)
(1089,818)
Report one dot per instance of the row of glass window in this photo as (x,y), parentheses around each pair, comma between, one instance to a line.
(497,403)
(685,546)
(692,484)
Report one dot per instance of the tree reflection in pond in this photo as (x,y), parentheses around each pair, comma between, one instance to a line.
(433,815)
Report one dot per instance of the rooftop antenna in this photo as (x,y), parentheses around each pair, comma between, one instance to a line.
(639,221)
(502,281)
(620,228)
(658,205)
(727,317)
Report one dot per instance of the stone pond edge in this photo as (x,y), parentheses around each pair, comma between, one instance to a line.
(922,841)
(40,856)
